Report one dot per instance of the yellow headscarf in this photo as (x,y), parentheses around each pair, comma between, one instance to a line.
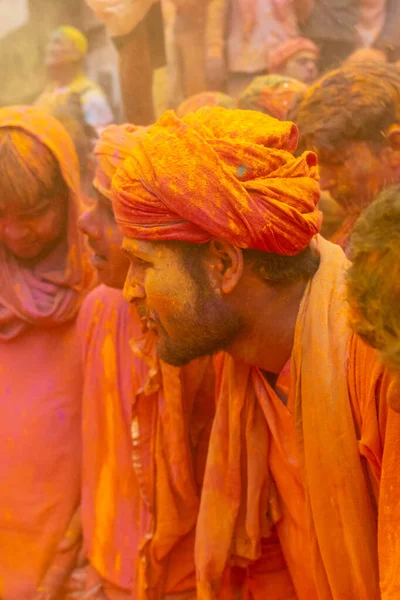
(76,37)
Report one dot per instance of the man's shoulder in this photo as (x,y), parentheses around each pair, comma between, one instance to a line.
(370,382)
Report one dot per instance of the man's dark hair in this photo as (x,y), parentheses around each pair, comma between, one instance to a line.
(274,269)
(357,102)
(374,278)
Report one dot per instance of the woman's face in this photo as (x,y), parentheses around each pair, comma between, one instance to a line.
(31,232)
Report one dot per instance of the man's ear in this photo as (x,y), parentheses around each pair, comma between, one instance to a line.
(228,264)
(393,136)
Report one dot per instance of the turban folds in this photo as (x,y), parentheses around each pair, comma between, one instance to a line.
(219,173)
(279,57)
(113,147)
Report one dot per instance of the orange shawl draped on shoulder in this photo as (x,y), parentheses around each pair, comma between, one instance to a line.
(340,515)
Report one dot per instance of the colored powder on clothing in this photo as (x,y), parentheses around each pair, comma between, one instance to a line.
(151,191)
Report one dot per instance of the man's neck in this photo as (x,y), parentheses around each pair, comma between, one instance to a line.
(269,317)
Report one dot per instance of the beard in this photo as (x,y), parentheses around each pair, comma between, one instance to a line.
(212,326)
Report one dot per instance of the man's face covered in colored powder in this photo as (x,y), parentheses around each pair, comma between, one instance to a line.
(302,66)
(355,174)
(173,293)
(105,240)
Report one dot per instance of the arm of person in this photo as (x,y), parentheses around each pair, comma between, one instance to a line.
(216,28)
(126,21)
(64,562)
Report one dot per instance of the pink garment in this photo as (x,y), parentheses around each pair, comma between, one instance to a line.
(40,385)
(40,388)
(266,25)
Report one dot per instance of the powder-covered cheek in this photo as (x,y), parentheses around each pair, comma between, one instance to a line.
(169,291)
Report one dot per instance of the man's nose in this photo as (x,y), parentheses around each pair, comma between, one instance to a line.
(88,225)
(133,289)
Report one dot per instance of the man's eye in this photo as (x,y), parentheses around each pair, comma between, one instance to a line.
(142,263)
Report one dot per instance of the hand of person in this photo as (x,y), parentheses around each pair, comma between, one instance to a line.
(117,15)
(216,73)
(85,584)
(65,559)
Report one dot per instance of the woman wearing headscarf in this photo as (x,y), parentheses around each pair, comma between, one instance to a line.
(44,277)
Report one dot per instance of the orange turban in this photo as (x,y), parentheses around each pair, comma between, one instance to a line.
(220,173)
(113,147)
(279,57)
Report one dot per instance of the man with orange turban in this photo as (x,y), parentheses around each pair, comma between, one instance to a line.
(221,226)
(138,520)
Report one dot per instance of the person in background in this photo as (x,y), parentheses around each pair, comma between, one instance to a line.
(84,137)
(138,519)
(273,95)
(205,99)
(297,58)
(255,29)
(339,28)
(137,30)
(373,280)
(64,61)
(45,275)
(357,141)
(221,225)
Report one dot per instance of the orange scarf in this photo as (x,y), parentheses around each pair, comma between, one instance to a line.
(51,293)
(340,517)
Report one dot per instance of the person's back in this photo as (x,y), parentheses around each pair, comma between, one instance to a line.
(44,278)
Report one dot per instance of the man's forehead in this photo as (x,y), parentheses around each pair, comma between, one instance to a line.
(304,54)
(136,246)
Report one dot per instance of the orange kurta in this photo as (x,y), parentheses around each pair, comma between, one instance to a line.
(139,521)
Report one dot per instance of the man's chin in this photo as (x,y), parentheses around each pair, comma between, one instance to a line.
(178,355)
(172,357)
